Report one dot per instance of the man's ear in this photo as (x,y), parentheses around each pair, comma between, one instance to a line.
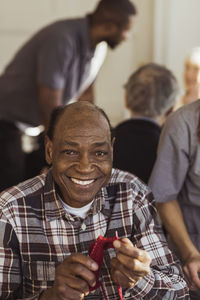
(125,100)
(112,145)
(48,150)
(113,141)
(109,28)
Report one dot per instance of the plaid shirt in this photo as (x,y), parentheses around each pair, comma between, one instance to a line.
(37,234)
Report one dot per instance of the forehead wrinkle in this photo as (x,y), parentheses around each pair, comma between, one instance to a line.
(85,131)
(76,143)
(77,127)
(75,116)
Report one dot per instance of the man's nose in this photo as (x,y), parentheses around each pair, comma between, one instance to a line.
(85,163)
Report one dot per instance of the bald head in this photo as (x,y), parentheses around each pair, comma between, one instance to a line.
(80,152)
(75,114)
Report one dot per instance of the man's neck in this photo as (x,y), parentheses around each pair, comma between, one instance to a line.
(94,32)
(80,212)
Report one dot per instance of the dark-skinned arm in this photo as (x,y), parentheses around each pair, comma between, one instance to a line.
(48,100)
(172,219)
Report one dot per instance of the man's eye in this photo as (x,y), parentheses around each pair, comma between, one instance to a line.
(100,153)
(70,152)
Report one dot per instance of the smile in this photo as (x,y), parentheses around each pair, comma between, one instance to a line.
(82,182)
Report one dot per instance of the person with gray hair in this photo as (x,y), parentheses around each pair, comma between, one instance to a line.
(191,76)
(149,96)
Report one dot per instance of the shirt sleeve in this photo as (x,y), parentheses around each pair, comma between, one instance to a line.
(172,161)
(165,280)
(11,278)
(53,62)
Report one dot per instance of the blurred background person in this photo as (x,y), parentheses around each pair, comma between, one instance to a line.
(191,78)
(149,96)
(50,70)
(175,182)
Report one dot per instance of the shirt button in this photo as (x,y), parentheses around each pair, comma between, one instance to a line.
(83,226)
(127,294)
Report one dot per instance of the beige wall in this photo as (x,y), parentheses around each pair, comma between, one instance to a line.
(164,32)
(19,19)
(176,32)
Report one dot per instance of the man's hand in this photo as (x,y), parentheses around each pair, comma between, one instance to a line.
(130,265)
(192,270)
(73,278)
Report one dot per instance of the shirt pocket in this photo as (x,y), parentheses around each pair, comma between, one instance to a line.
(39,270)
(37,276)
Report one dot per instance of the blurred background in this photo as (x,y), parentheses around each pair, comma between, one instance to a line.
(164,32)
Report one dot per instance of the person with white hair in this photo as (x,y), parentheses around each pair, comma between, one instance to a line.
(192,76)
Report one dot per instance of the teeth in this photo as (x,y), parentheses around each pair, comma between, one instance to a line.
(82,182)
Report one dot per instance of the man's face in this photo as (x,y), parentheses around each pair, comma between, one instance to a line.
(191,74)
(119,34)
(81,157)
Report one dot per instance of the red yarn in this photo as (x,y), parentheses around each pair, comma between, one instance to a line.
(96,252)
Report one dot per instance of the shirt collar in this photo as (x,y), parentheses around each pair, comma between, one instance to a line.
(145,119)
(85,38)
(54,208)
(52,205)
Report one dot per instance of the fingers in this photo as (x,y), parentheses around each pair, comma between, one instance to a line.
(122,280)
(82,259)
(75,274)
(131,268)
(126,247)
(122,275)
(130,265)
(65,292)
(138,267)
(195,278)
(76,283)
(79,266)
(187,276)
(192,277)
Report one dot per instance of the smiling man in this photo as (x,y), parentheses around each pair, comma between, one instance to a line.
(81,154)
(48,223)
